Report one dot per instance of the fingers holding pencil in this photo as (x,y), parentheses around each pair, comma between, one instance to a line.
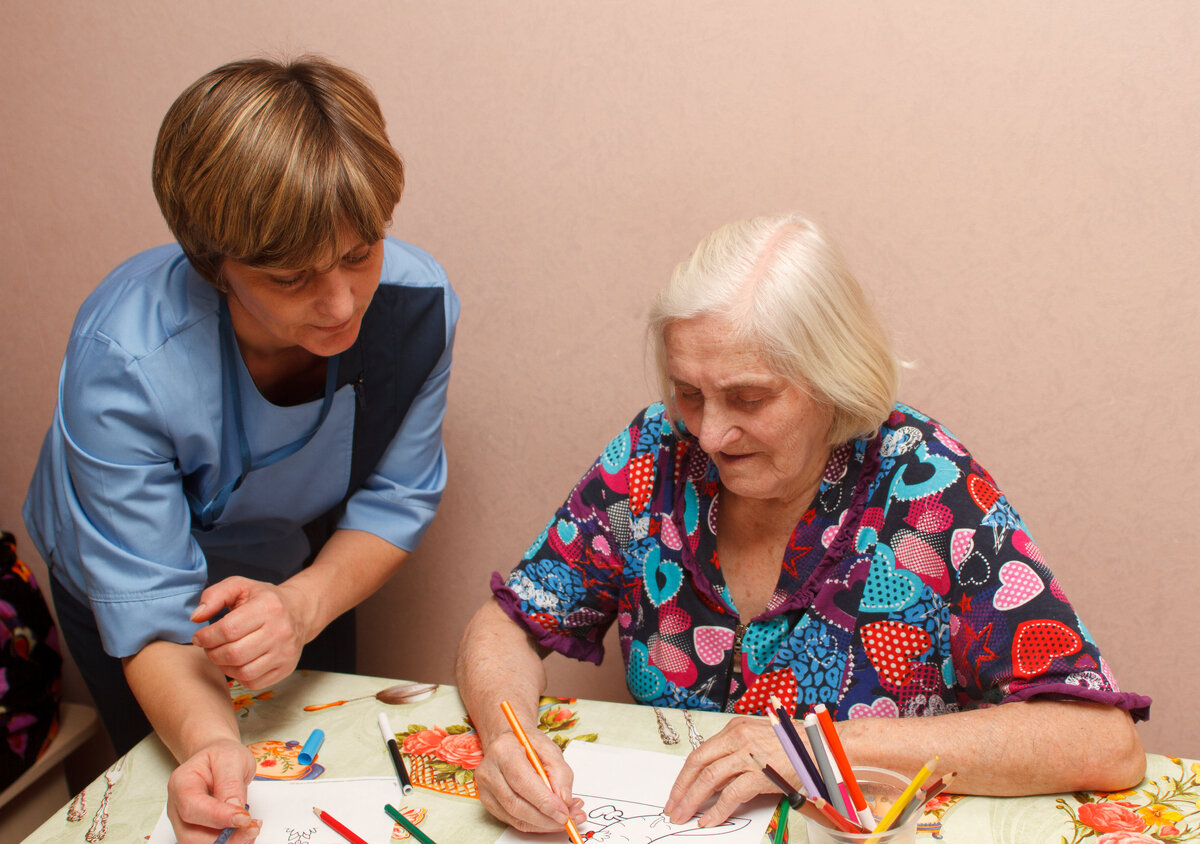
(512,790)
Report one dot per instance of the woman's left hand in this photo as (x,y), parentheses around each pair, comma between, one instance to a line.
(259,640)
(722,766)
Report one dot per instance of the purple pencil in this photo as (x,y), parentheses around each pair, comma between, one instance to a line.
(789,749)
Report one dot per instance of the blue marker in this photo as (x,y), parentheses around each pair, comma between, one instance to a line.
(309,752)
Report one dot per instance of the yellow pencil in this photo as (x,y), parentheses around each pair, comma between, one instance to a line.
(531,754)
(904,799)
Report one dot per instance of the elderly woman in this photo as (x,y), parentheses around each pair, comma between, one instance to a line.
(783,527)
(247,441)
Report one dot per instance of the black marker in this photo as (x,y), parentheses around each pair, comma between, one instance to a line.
(390,738)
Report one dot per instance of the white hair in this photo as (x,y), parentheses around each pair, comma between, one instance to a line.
(784,286)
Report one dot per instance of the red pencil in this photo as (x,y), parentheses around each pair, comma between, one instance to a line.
(338,827)
(858,801)
(835,817)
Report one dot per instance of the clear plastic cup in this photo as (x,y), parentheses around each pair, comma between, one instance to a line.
(881,788)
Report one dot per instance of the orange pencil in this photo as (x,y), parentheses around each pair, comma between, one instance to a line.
(532,756)
(839,758)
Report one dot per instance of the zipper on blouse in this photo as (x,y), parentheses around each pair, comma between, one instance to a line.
(360,392)
(735,664)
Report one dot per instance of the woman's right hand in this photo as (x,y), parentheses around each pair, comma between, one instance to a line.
(512,791)
(207,794)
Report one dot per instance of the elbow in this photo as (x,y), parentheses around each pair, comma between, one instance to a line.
(1119,761)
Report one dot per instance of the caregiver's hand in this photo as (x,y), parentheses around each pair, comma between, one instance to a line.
(512,791)
(722,765)
(259,641)
(207,794)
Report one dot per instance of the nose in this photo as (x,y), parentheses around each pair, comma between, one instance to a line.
(335,299)
(717,430)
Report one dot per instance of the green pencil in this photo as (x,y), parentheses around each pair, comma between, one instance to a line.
(781,823)
(395,815)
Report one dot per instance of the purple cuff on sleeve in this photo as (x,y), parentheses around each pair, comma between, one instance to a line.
(566,645)
(1136,705)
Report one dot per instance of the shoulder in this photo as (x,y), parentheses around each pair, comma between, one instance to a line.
(145,302)
(907,429)
(408,266)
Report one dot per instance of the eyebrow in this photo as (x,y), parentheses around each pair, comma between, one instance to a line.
(732,386)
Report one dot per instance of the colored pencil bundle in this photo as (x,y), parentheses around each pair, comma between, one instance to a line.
(834,797)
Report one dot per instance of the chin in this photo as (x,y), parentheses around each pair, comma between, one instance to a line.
(328,345)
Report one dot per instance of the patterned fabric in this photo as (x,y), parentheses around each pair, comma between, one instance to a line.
(30,667)
(910,586)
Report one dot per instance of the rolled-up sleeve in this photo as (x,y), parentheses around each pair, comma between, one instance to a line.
(141,568)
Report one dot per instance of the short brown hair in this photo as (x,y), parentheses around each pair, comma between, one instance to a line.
(266,162)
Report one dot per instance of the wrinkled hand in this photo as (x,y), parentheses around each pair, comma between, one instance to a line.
(722,766)
(207,794)
(513,792)
(259,641)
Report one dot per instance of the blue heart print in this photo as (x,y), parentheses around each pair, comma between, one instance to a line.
(691,508)
(645,682)
(567,531)
(761,641)
(944,474)
(616,453)
(654,569)
(888,588)
(537,543)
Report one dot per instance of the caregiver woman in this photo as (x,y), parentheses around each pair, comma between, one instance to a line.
(247,441)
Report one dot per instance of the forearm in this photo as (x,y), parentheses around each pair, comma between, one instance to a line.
(183,695)
(350,567)
(497,660)
(1034,747)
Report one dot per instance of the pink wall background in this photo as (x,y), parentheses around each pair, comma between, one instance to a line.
(1017,184)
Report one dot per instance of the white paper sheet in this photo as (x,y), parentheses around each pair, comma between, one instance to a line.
(286,809)
(623,792)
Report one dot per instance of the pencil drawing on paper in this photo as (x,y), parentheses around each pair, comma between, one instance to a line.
(627,822)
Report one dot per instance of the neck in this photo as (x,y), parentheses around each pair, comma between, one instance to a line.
(284,374)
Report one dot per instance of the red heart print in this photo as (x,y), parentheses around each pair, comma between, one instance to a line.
(984,493)
(1037,644)
(545,621)
(890,646)
(757,698)
(641,482)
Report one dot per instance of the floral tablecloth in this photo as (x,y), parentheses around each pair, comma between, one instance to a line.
(442,751)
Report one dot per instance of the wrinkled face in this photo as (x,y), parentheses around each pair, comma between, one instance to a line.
(765,434)
(319,309)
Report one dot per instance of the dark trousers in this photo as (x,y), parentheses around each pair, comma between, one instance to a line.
(333,650)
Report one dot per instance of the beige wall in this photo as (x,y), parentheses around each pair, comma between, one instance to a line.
(1016,182)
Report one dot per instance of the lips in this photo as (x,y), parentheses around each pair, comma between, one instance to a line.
(334,329)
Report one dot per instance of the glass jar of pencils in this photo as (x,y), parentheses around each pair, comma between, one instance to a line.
(882,789)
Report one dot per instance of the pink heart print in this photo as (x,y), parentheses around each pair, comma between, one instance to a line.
(916,555)
(1027,546)
(672,619)
(669,535)
(961,546)
(1019,585)
(712,643)
(883,707)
